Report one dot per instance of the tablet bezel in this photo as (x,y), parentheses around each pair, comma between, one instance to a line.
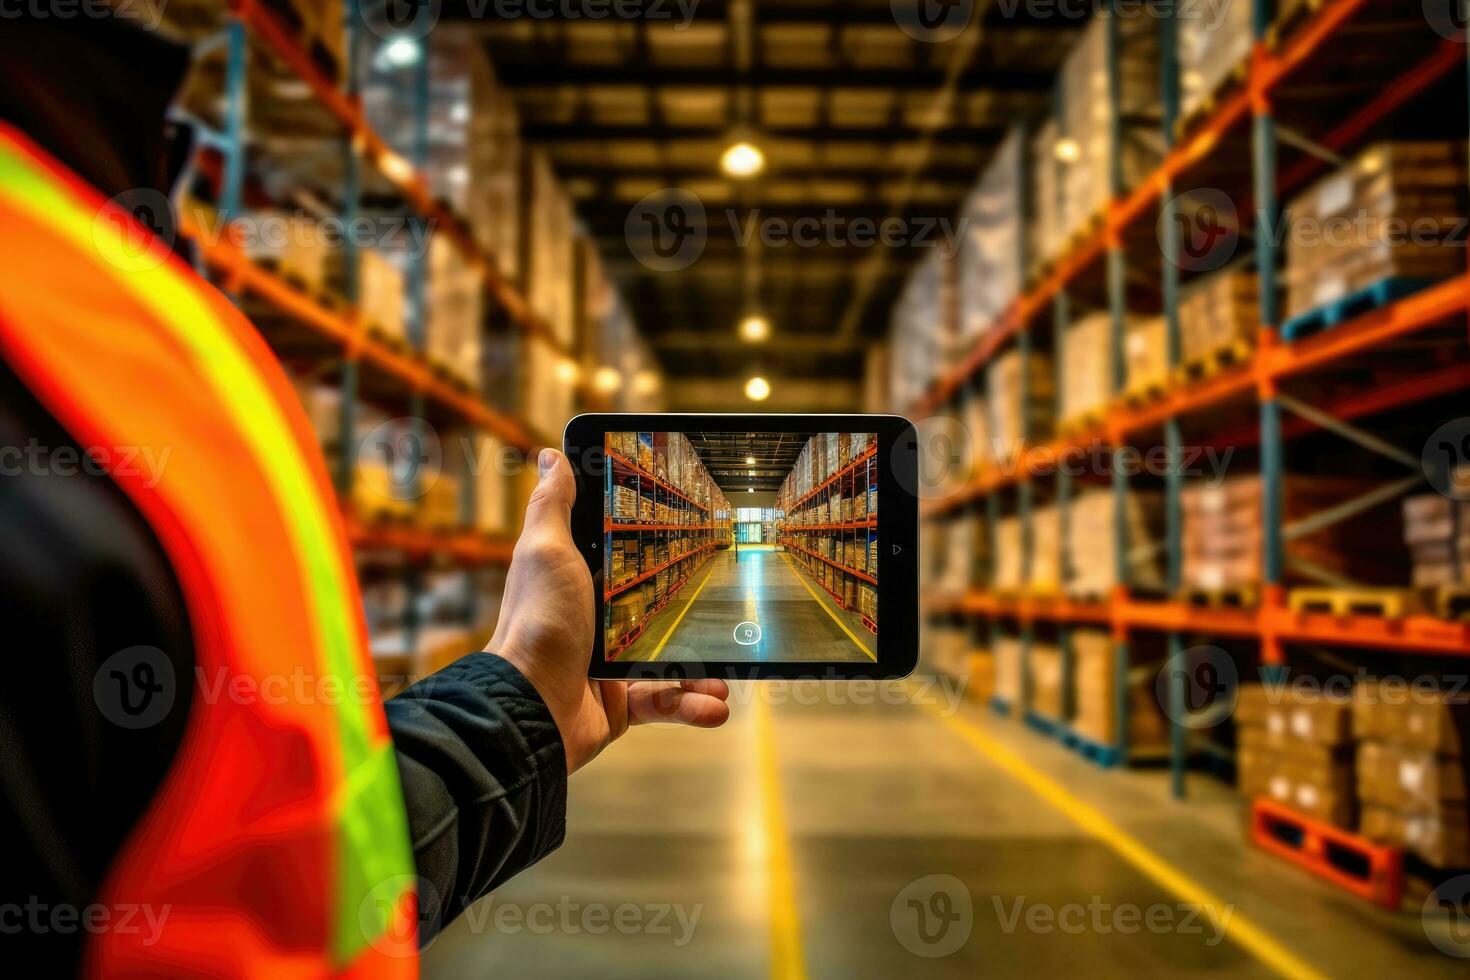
(898,539)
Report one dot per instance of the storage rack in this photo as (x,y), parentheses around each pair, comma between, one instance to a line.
(370,366)
(808,537)
(1274,63)
(688,539)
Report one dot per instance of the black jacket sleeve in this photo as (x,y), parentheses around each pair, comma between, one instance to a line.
(484,779)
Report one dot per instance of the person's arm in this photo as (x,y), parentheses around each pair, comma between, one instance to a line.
(485,745)
(484,778)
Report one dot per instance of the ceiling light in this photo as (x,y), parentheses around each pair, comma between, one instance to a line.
(459,112)
(757,389)
(750,489)
(754,329)
(568,371)
(750,461)
(402,52)
(607,380)
(1068,150)
(742,159)
(645,382)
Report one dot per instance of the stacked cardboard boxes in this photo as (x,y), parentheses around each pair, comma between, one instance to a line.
(1019,410)
(1220,312)
(1411,769)
(1307,744)
(1091,567)
(1048,694)
(1146,350)
(1087,368)
(1222,524)
(1394,212)
(1008,669)
(455,312)
(1437,533)
(1008,570)
(1211,49)
(1095,707)
(989,273)
(1085,122)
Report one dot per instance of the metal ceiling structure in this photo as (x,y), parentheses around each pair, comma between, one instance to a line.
(857,118)
(726,455)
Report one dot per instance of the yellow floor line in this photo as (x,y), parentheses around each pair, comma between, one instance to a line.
(660,648)
(787,959)
(807,585)
(1091,820)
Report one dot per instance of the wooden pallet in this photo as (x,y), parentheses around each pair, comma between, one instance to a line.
(1450,602)
(1233,81)
(1104,756)
(1000,706)
(1145,393)
(1289,16)
(1081,422)
(1209,364)
(1387,603)
(1231,597)
(388,339)
(1354,304)
(1371,871)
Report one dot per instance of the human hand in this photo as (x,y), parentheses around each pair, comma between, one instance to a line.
(547,616)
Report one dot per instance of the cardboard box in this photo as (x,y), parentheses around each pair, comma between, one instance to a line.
(1046,681)
(1441,840)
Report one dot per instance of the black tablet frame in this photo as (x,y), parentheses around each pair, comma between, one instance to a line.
(898,539)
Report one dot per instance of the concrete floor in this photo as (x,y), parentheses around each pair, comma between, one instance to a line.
(760,585)
(804,840)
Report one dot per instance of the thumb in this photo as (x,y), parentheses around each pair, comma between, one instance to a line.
(550,506)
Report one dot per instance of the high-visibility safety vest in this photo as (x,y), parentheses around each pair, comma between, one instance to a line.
(277,844)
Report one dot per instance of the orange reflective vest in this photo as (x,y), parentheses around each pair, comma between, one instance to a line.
(278,843)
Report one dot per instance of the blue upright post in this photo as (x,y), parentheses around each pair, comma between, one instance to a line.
(1169,272)
(351,292)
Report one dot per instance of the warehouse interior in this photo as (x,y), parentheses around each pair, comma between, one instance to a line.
(1177,295)
(689,576)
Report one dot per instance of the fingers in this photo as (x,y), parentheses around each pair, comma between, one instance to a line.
(550,507)
(699,703)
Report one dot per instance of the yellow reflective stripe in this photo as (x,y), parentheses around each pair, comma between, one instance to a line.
(242,393)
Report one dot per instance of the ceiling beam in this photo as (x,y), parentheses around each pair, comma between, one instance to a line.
(528,75)
(555,134)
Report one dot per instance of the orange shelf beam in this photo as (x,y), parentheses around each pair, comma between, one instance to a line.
(847,468)
(1267,71)
(619,459)
(412,185)
(835,564)
(625,586)
(469,547)
(241,273)
(1422,634)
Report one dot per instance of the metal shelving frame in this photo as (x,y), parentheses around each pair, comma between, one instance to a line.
(1272,624)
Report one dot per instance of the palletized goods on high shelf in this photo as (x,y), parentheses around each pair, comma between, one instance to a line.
(829,508)
(1213,51)
(1222,539)
(666,516)
(988,263)
(1387,217)
(1073,151)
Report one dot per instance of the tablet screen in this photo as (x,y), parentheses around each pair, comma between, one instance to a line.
(740,546)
